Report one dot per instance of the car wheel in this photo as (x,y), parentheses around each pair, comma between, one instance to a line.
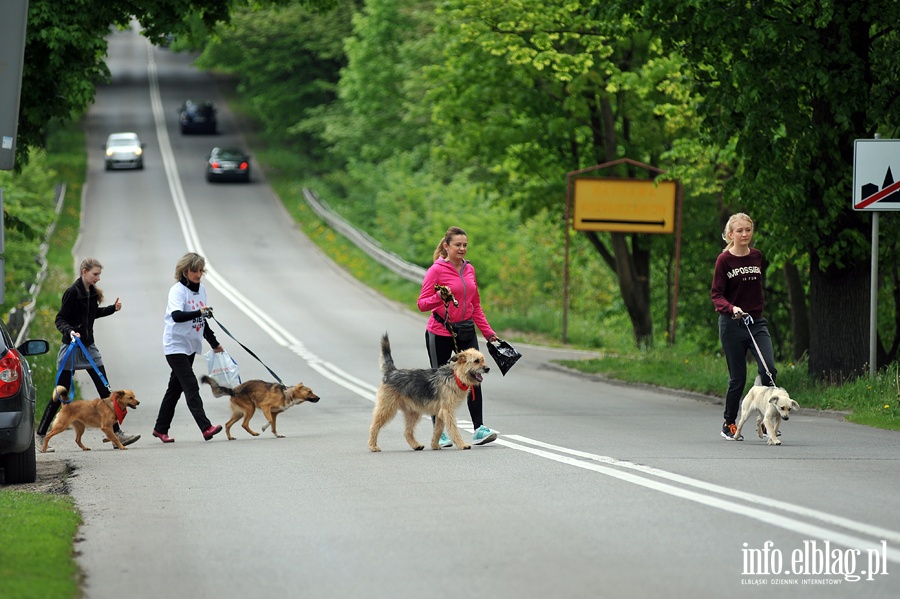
(19,468)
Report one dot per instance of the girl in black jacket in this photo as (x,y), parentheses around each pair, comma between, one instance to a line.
(80,308)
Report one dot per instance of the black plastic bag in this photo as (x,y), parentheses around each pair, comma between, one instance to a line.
(504,354)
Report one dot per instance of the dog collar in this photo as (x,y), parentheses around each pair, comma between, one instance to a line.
(120,412)
(459,383)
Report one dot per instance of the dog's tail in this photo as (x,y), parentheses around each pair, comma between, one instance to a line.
(217,389)
(61,394)
(387,361)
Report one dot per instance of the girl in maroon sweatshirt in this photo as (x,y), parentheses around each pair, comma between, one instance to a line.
(737,291)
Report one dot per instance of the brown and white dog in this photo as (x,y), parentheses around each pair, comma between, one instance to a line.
(425,392)
(90,413)
(271,398)
(771,405)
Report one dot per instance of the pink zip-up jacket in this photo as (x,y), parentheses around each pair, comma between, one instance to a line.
(464,289)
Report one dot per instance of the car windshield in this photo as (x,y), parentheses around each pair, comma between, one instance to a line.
(122,142)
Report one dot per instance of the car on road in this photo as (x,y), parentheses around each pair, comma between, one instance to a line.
(197,117)
(228,164)
(17,397)
(124,150)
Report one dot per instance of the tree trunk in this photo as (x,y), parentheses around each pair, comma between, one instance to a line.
(634,283)
(799,311)
(839,314)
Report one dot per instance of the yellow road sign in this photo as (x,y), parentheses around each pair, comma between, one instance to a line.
(625,205)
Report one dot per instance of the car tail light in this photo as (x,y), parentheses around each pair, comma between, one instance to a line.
(215,164)
(10,374)
(244,166)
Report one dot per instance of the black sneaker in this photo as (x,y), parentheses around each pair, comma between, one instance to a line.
(766,433)
(728,431)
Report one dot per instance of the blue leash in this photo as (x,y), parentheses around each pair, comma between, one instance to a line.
(76,341)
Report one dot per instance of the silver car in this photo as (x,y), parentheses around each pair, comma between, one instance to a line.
(124,150)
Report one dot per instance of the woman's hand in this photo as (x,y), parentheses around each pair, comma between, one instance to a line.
(118,305)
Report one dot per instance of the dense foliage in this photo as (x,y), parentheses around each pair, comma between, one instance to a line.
(412,115)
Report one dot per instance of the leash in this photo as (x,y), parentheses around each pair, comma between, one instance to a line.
(447,298)
(748,320)
(246,349)
(76,342)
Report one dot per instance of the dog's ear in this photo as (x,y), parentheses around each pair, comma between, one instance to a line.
(454,357)
(774,400)
(795,407)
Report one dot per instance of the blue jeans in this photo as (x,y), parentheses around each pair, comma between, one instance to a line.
(736,341)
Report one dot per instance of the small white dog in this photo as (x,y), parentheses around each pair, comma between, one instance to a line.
(772,405)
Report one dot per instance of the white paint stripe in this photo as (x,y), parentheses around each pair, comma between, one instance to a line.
(367,391)
(875,531)
(765,516)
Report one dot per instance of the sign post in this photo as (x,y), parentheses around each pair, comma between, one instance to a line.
(622,206)
(875,190)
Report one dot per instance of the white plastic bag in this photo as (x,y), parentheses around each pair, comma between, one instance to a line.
(222,368)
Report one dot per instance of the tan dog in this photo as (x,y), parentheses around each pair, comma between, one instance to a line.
(271,398)
(771,405)
(425,392)
(90,413)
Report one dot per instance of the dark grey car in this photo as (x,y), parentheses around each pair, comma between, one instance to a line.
(17,399)
(228,164)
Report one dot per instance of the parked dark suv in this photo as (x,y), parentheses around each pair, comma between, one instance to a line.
(197,117)
(17,397)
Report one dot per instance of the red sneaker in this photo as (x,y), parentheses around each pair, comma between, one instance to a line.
(163,437)
(212,431)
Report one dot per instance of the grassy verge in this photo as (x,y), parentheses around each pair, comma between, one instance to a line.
(37,530)
(36,533)
(874,402)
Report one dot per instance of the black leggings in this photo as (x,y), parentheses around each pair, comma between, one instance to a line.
(65,379)
(736,341)
(440,348)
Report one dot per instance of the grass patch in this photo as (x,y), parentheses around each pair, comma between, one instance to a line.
(36,533)
(872,401)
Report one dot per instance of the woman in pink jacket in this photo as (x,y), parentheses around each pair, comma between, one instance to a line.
(452,270)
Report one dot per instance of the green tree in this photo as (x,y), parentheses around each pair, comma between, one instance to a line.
(795,83)
(530,91)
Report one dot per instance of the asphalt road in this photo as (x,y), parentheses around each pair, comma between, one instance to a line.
(592,490)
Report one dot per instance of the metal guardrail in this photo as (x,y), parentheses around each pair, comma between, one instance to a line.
(407,270)
(20,318)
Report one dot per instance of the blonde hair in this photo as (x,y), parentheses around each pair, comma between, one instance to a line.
(190,261)
(448,236)
(728,233)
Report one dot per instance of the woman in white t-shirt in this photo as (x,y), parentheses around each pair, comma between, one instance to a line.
(183,336)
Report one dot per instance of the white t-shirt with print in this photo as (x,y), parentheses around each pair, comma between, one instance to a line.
(184,337)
